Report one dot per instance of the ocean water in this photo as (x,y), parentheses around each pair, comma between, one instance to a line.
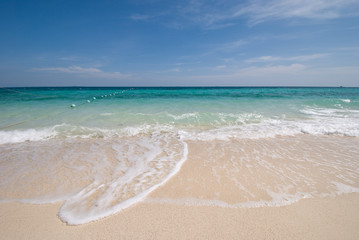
(117,145)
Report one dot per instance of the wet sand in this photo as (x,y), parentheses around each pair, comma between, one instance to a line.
(226,196)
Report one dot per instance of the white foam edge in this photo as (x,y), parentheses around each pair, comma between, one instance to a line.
(273,128)
(344,188)
(46,133)
(18,136)
(283,201)
(279,199)
(38,201)
(70,219)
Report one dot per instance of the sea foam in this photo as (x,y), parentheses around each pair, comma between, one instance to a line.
(95,177)
(17,136)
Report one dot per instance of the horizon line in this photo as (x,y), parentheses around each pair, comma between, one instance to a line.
(204,86)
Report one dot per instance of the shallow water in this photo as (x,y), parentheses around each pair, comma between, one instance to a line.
(264,172)
(252,146)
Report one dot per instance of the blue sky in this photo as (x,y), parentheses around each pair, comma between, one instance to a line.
(179,43)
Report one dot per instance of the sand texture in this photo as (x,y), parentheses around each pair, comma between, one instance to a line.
(227,195)
(331,218)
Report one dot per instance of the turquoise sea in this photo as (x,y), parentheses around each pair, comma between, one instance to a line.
(111,147)
(249,112)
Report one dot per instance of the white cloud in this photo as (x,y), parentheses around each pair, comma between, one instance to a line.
(88,72)
(300,58)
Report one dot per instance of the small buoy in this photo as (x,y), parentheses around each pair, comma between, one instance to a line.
(93,98)
(73,105)
(88,101)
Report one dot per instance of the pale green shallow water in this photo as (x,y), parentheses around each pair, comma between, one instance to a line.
(272,110)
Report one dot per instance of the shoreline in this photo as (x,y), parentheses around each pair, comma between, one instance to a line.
(234,172)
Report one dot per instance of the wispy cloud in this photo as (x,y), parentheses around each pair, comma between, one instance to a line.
(70,69)
(263,10)
(88,72)
(220,14)
(221,67)
(258,72)
(250,76)
(139,17)
(225,47)
(71,58)
(282,75)
(186,63)
(231,45)
(171,70)
(300,58)
(148,16)
(272,70)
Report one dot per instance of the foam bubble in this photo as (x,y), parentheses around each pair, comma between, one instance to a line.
(95,178)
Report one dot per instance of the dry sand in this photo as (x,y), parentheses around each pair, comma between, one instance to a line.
(330,218)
